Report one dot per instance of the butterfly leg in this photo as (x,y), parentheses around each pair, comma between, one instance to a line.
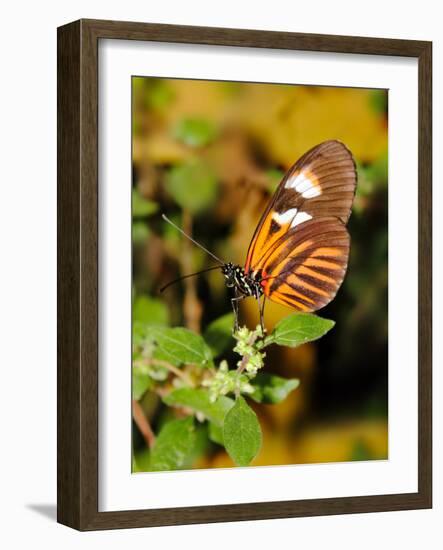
(261,308)
(234,303)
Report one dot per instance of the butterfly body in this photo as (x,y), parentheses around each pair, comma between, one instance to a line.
(246,284)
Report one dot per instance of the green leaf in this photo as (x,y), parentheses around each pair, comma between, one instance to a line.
(200,446)
(298,329)
(269,388)
(150,311)
(141,382)
(192,185)
(241,433)
(141,207)
(174,444)
(198,401)
(180,345)
(215,433)
(195,132)
(218,334)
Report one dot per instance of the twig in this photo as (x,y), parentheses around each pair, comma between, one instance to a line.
(143,424)
(160,391)
(168,366)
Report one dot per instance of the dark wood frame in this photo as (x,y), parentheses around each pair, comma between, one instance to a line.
(77,455)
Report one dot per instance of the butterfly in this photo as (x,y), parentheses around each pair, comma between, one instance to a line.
(298,255)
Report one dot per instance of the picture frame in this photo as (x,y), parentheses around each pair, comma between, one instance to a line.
(78,274)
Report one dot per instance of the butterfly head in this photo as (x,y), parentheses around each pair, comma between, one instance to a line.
(229,270)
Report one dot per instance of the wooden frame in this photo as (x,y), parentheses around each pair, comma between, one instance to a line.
(78,285)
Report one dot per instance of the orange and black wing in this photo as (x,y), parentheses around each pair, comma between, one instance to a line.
(306,268)
(301,244)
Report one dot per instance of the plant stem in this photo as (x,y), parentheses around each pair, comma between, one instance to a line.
(245,358)
(143,424)
(244,362)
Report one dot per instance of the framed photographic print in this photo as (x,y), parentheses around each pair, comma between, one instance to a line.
(244,274)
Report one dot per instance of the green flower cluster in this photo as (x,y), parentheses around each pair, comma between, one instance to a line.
(224,381)
(249,344)
(227,381)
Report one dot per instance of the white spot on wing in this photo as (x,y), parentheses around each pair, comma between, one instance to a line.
(303,185)
(300,218)
(311,193)
(284,217)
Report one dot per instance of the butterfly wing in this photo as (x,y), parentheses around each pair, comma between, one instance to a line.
(301,245)
(306,268)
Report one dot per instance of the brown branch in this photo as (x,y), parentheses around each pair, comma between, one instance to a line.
(143,424)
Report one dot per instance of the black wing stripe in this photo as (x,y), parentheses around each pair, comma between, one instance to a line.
(316,272)
(303,233)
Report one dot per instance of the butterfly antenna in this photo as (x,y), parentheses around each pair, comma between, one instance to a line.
(192,240)
(186,276)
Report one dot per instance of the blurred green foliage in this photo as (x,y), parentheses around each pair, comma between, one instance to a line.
(149,311)
(218,334)
(192,185)
(195,132)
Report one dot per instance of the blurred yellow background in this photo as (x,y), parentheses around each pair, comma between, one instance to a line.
(209,155)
